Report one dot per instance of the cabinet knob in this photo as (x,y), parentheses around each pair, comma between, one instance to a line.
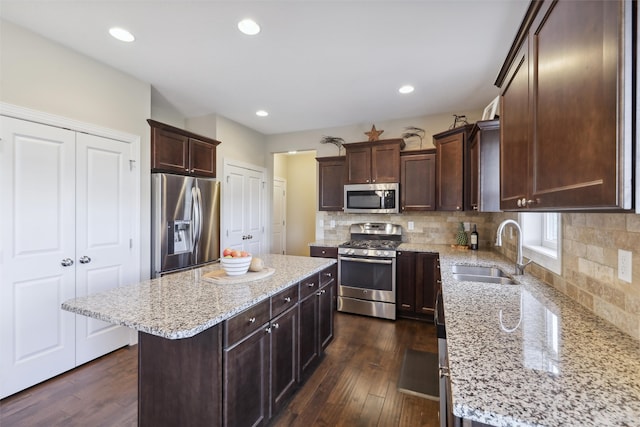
(186,170)
(84,259)
(475,207)
(287,299)
(531,202)
(327,275)
(252,320)
(67,262)
(457,208)
(323,252)
(276,326)
(311,285)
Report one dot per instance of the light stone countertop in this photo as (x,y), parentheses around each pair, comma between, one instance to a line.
(181,305)
(527,355)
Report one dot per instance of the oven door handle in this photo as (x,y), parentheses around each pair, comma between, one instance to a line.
(369,261)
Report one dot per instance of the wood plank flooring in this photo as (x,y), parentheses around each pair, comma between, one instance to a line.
(355,385)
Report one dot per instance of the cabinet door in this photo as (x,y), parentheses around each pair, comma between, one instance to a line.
(202,158)
(325,311)
(576,105)
(331,184)
(406,282)
(169,151)
(309,341)
(418,182)
(37,178)
(474,172)
(427,274)
(284,357)
(450,175)
(246,381)
(358,165)
(515,132)
(385,163)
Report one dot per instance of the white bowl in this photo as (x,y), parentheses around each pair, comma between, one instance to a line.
(236,266)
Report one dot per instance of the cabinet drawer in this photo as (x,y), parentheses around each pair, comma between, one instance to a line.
(246,322)
(328,274)
(324,252)
(309,285)
(284,300)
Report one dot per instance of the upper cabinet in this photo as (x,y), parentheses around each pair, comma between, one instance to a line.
(566,108)
(179,151)
(331,183)
(373,162)
(418,180)
(484,173)
(451,161)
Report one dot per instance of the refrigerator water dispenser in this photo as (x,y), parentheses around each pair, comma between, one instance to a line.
(179,237)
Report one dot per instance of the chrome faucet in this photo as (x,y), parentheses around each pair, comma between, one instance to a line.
(519,264)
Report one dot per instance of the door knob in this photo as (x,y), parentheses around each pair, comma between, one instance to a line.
(84,259)
(66,262)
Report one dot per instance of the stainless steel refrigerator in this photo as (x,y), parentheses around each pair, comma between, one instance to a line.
(185,220)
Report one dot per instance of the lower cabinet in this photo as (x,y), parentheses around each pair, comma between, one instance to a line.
(246,380)
(270,348)
(418,281)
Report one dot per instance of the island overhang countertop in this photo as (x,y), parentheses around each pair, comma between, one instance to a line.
(183,304)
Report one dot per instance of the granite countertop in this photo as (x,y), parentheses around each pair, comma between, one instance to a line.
(527,355)
(181,305)
(327,243)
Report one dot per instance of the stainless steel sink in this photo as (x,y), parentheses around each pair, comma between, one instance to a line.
(477,270)
(475,273)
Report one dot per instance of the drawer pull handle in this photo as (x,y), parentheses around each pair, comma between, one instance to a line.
(311,285)
(328,275)
(406,306)
(287,299)
(252,320)
(276,326)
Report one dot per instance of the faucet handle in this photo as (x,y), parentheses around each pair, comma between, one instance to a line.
(520,267)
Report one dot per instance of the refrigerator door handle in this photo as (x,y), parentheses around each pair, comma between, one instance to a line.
(197,213)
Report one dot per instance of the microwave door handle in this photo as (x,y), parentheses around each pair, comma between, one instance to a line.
(368,261)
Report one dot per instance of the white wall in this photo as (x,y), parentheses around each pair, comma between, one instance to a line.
(163,111)
(39,74)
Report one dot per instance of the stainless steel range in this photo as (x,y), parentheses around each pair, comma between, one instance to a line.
(367,270)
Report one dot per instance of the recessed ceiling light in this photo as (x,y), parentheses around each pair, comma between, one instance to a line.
(249,27)
(261,113)
(121,34)
(292,152)
(406,89)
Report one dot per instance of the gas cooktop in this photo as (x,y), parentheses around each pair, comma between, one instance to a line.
(371,244)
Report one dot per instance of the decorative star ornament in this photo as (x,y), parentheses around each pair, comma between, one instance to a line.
(374,134)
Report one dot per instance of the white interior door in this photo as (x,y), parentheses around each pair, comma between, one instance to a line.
(38,222)
(279,219)
(104,248)
(244,202)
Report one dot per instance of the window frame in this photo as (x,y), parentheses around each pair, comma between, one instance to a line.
(536,244)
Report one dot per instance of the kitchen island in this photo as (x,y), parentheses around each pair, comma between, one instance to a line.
(527,355)
(187,324)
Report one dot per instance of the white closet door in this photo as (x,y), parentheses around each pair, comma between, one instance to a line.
(279,217)
(243,202)
(37,219)
(104,199)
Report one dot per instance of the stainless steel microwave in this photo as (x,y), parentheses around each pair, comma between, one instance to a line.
(371,198)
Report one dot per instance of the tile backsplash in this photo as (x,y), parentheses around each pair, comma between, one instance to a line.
(590,243)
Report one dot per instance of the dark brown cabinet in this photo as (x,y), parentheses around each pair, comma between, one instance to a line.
(451,161)
(484,171)
(418,281)
(324,252)
(246,380)
(566,125)
(418,180)
(331,174)
(179,151)
(284,357)
(373,162)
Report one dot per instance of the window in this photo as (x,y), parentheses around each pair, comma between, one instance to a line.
(542,239)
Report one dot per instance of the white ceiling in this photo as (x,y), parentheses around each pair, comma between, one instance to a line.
(315,64)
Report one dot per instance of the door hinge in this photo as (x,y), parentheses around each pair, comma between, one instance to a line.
(227,232)
(228,176)
(283,222)
(130,243)
(131,164)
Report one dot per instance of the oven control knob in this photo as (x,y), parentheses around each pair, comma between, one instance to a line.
(365,252)
(385,253)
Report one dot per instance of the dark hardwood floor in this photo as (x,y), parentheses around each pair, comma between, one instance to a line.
(355,385)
